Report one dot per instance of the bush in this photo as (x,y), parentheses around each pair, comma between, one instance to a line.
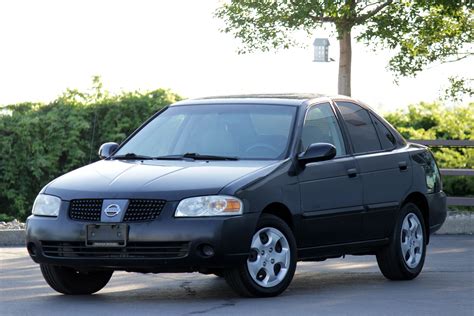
(433,121)
(39,142)
(6,218)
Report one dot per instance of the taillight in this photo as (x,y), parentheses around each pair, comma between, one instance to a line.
(433,176)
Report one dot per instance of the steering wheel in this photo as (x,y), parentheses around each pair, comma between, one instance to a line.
(263,145)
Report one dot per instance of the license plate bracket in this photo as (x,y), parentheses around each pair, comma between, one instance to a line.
(106,235)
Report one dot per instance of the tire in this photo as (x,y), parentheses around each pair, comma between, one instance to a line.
(254,277)
(219,273)
(397,261)
(73,282)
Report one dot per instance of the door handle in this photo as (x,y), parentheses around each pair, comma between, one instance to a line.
(352,172)
(402,165)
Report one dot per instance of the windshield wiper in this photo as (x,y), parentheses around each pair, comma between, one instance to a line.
(131,156)
(169,157)
(197,156)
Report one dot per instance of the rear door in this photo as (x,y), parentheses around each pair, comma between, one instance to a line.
(331,191)
(384,168)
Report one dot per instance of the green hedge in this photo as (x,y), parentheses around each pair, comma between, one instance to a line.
(39,142)
(435,121)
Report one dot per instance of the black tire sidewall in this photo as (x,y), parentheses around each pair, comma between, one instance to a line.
(65,279)
(252,286)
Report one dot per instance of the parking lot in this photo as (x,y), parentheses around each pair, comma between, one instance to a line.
(352,285)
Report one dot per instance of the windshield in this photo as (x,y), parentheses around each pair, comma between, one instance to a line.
(243,131)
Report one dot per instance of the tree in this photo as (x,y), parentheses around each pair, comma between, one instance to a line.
(419,31)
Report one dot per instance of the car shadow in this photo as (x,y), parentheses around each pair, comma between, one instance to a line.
(21,280)
(192,287)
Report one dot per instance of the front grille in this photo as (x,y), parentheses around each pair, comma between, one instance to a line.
(138,210)
(143,210)
(145,250)
(86,210)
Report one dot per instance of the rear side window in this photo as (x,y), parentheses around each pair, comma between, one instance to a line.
(361,129)
(387,140)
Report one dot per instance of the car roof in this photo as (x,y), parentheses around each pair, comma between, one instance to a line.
(296,99)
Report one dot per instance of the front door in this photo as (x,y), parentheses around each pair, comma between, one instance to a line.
(331,191)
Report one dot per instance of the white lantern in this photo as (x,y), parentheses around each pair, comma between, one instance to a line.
(321,50)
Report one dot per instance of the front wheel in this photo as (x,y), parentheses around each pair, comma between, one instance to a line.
(271,264)
(403,259)
(74,282)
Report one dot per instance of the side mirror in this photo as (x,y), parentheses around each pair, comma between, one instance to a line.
(107,149)
(317,152)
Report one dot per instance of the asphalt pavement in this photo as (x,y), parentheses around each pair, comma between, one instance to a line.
(349,286)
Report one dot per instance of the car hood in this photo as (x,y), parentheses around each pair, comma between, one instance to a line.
(169,180)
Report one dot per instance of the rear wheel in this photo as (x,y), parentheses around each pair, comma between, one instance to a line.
(403,259)
(272,261)
(74,282)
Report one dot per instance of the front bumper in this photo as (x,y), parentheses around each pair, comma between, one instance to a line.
(173,244)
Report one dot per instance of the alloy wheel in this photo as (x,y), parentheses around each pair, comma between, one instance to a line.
(411,240)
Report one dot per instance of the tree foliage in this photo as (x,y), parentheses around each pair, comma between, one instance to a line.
(418,32)
(458,88)
(269,24)
(422,32)
(39,142)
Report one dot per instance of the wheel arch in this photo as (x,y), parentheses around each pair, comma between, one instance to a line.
(420,200)
(281,211)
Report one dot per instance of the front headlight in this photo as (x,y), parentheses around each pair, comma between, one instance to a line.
(46,205)
(212,205)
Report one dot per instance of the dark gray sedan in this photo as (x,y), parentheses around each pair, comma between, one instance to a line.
(242,187)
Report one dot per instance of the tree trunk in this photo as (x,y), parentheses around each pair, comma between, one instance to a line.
(345,56)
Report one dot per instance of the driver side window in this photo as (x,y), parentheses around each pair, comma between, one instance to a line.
(321,126)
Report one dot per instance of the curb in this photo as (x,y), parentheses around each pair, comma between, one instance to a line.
(12,237)
(458,224)
(455,224)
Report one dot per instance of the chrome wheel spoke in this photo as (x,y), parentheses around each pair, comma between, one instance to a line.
(418,243)
(257,243)
(406,226)
(412,255)
(254,266)
(273,239)
(405,247)
(271,274)
(414,224)
(282,257)
(416,255)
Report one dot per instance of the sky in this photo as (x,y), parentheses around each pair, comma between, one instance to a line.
(48,46)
